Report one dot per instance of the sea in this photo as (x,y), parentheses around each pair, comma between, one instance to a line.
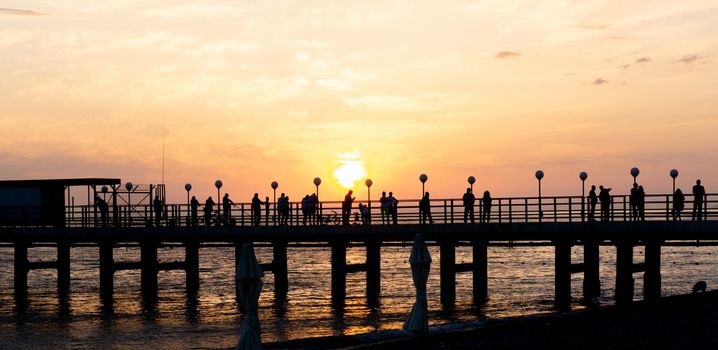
(520,283)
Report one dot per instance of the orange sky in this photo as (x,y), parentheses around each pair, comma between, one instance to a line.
(250,92)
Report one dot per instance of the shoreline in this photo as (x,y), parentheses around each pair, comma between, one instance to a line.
(682,321)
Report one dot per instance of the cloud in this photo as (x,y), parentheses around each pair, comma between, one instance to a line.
(593,26)
(600,81)
(692,58)
(19,12)
(643,60)
(507,54)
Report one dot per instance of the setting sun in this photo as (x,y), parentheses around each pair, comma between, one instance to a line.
(350,169)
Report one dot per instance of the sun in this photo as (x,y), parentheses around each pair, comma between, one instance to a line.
(350,169)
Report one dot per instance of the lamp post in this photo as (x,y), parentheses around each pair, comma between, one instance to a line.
(471,180)
(634,172)
(674,175)
(274,185)
(129,186)
(423,179)
(368,184)
(583,176)
(539,176)
(218,184)
(188,187)
(317,182)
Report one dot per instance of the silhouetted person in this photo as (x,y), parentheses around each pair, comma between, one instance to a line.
(347,207)
(364,210)
(256,210)
(208,209)
(592,201)
(486,201)
(385,208)
(281,209)
(425,209)
(193,207)
(314,209)
(633,202)
(157,205)
(103,208)
(393,208)
(305,209)
(679,203)
(226,209)
(266,210)
(469,199)
(699,194)
(605,197)
(641,203)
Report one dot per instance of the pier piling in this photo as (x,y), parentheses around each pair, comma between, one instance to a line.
(373,271)
(562,250)
(480,271)
(339,272)
(447,271)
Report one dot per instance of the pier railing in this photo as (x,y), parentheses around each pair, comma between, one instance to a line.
(658,207)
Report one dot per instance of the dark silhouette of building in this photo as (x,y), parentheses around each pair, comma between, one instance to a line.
(592,201)
(486,201)
(468,199)
(699,194)
(679,201)
(425,209)
(347,207)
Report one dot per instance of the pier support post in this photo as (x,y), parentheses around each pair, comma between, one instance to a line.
(279,269)
(148,255)
(591,272)
(373,271)
(192,267)
(107,283)
(624,272)
(339,272)
(63,269)
(652,275)
(447,271)
(563,274)
(480,271)
(21,269)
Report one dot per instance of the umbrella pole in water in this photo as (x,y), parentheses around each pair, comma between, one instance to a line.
(420,260)
(249,286)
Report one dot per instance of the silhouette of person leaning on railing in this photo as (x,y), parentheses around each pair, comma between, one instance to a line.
(256,209)
(194,207)
(103,208)
(678,204)
(208,209)
(633,202)
(592,201)
(468,199)
(699,194)
(393,208)
(226,209)
(486,201)
(605,197)
(347,207)
(266,210)
(425,209)
(385,207)
(641,203)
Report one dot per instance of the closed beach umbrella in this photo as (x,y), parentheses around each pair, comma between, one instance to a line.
(249,286)
(420,260)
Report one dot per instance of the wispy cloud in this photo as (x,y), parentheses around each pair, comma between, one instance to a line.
(593,26)
(600,81)
(643,60)
(19,12)
(507,54)
(692,58)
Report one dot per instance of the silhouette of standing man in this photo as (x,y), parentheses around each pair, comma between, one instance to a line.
(157,205)
(393,208)
(678,204)
(347,207)
(226,209)
(469,199)
(103,208)
(592,201)
(633,202)
(208,208)
(425,209)
(256,210)
(605,198)
(194,207)
(486,214)
(699,194)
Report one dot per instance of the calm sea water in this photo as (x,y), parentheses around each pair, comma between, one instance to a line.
(521,282)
